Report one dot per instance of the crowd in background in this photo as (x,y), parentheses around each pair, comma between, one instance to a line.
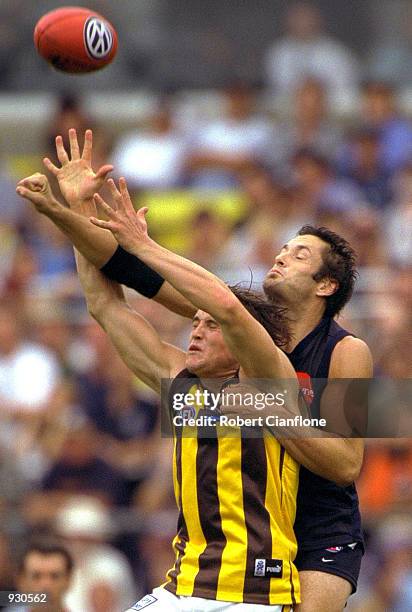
(79,436)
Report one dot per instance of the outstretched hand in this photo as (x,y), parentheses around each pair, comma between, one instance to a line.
(77,180)
(127,226)
(36,189)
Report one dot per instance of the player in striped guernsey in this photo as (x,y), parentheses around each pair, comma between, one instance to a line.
(236,495)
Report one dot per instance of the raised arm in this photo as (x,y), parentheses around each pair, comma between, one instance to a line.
(259,358)
(97,245)
(136,341)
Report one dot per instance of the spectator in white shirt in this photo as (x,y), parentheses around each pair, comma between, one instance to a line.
(306,50)
(152,158)
(227,145)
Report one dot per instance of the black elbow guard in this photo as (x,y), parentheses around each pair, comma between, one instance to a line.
(129,270)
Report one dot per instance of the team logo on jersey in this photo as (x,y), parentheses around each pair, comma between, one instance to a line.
(98,38)
(146,601)
(272,568)
(305,384)
(260,566)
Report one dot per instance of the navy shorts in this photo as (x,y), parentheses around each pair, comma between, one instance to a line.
(343,561)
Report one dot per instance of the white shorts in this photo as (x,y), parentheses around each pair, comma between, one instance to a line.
(160,600)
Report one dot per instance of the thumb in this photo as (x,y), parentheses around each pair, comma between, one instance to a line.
(33,196)
(103,172)
(143,211)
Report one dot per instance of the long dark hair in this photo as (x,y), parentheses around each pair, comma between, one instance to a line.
(271,316)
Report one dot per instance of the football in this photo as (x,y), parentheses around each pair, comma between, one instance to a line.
(75,39)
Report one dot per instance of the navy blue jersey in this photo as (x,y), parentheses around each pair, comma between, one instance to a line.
(327,514)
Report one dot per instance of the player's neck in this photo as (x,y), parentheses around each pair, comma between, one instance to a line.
(303,320)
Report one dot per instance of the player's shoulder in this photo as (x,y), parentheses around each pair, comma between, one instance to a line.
(351,357)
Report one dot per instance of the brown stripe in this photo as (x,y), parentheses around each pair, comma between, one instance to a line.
(257,519)
(281,459)
(209,514)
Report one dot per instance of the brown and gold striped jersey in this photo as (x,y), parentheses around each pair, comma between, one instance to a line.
(237,502)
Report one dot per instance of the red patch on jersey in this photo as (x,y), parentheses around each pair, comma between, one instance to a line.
(305,384)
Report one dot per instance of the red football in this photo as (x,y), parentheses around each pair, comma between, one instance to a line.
(75,39)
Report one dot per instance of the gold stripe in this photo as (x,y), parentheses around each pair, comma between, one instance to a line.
(189,566)
(230,491)
(281,516)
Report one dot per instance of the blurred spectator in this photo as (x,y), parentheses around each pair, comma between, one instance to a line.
(208,235)
(399,219)
(79,468)
(69,114)
(152,158)
(51,249)
(307,50)
(156,501)
(29,373)
(12,207)
(310,125)
(125,418)
(392,460)
(389,563)
(223,147)
(102,579)
(365,168)
(45,567)
(7,573)
(256,239)
(380,112)
(320,188)
(390,61)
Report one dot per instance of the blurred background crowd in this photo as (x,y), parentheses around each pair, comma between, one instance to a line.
(236,123)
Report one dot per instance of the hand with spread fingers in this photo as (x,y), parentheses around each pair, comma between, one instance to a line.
(77,180)
(127,226)
(36,189)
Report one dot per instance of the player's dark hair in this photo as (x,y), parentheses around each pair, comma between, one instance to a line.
(46,547)
(271,316)
(339,264)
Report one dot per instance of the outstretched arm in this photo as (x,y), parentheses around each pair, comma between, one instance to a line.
(97,245)
(136,341)
(261,358)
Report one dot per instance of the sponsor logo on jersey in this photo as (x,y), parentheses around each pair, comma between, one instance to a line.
(146,601)
(272,568)
(327,560)
(334,549)
(98,38)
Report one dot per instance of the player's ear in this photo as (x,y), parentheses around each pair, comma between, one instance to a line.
(327,286)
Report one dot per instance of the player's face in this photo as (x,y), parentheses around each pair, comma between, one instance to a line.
(45,574)
(291,278)
(208,355)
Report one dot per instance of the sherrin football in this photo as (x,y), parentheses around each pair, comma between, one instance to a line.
(75,39)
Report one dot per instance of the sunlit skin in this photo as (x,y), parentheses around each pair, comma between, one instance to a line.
(46,574)
(208,354)
(291,277)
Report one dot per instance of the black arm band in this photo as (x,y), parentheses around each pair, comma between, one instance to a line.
(132,272)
